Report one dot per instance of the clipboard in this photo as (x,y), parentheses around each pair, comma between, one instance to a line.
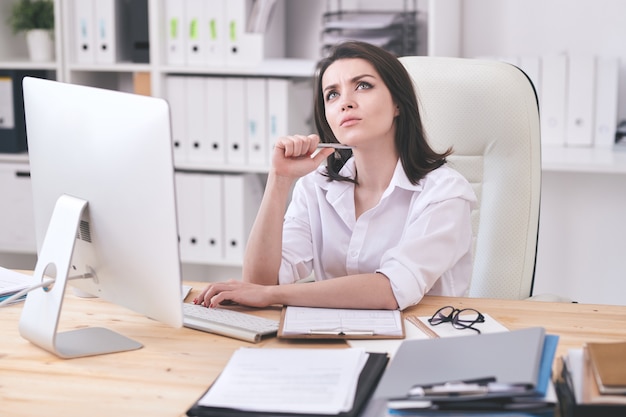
(338,323)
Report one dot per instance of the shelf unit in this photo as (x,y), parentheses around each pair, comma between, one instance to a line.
(570,250)
(120,76)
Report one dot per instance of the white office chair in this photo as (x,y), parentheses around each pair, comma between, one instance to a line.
(488,112)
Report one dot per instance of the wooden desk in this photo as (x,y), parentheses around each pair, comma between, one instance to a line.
(176,366)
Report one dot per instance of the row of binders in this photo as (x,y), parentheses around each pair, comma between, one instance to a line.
(110,31)
(215,214)
(223,33)
(234,120)
(578,97)
(592,380)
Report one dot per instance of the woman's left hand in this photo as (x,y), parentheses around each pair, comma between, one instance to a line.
(237,292)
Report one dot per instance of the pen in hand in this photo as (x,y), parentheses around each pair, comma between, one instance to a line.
(334,146)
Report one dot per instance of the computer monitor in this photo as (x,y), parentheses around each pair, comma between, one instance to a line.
(102,176)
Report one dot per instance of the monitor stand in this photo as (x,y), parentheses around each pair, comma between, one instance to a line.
(40,317)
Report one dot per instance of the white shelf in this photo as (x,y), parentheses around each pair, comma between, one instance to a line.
(583,160)
(283,67)
(14,157)
(117,67)
(29,65)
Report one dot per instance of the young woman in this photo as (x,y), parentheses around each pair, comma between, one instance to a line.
(378,226)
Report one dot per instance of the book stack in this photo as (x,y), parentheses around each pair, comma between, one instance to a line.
(505,373)
(592,381)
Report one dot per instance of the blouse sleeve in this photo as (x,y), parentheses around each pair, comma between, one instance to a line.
(434,252)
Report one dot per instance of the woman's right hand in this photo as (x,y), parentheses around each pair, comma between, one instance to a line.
(291,156)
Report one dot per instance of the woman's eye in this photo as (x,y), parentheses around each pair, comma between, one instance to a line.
(363,85)
(331,95)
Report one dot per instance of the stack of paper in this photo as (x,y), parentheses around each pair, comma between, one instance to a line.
(293,381)
(12,282)
(504,372)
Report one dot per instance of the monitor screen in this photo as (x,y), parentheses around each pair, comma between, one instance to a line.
(102,176)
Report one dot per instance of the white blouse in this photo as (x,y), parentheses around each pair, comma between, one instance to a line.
(418,236)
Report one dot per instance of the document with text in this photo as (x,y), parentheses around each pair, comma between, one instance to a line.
(317,381)
(341,323)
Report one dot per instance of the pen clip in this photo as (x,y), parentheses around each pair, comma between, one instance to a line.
(341,332)
(453,388)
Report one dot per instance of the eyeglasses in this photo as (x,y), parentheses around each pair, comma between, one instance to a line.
(461,319)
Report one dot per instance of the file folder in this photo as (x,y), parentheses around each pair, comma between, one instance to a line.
(606,100)
(215,92)
(200,217)
(512,357)
(507,372)
(175,39)
(190,201)
(196,32)
(256,114)
(175,89)
(580,100)
(196,120)
(246,49)
(217,33)
(213,221)
(235,121)
(242,198)
(84,31)
(12,120)
(289,108)
(106,30)
(138,32)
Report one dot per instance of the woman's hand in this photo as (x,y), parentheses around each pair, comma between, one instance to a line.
(292,155)
(235,292)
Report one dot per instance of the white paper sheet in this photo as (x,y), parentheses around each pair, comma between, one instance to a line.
(310,320)
(321,381)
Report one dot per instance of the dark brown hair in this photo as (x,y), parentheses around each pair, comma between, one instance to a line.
(416,155)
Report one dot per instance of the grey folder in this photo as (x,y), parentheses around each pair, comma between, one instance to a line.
(511,357)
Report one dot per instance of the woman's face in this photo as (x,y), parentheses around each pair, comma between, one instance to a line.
(358,105)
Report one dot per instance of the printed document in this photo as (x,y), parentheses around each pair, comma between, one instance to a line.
(308,381)
(313,320)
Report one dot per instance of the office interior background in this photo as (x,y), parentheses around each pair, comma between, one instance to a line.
(564,46)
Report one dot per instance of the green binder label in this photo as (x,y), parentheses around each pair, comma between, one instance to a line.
(173,28)
(193,29)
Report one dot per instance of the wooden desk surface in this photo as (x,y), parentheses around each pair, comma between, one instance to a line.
(176,366)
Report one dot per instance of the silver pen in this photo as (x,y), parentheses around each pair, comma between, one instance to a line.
(334,146)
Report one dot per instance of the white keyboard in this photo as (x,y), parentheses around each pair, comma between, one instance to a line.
(228,322)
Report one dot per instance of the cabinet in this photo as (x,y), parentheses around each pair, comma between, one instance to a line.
(109,63)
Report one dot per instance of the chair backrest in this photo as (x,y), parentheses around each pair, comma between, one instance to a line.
(488,112)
